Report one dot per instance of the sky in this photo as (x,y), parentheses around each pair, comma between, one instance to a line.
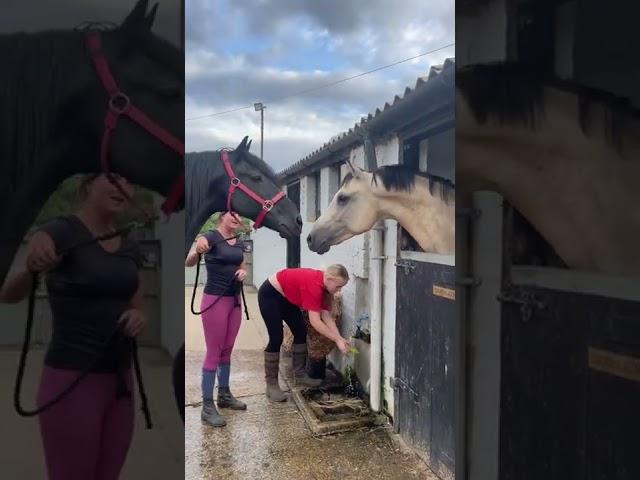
(242,52)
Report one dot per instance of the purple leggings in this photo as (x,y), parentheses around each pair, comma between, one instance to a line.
(86,436)
(221,324)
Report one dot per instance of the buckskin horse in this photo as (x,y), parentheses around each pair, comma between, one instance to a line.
(423,204)
(564,155)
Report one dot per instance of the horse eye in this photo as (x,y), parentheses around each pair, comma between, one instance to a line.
(342,199)
(256,178)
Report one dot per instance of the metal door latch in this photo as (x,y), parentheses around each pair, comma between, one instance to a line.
(408,266)
(527,300)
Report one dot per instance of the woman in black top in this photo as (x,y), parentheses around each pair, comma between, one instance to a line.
(93,291)
(225,268)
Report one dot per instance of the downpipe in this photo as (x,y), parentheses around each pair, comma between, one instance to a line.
(376,274)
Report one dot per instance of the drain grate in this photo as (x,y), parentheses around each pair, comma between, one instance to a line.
(331,411)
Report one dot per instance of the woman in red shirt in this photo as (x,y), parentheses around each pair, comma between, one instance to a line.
(281,297)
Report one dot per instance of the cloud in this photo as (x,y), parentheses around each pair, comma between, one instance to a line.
(36,15)
(261,50)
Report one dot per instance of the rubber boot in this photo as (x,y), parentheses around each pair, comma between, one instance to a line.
(317,368)
(227,400)
(287,370)
(271,366)
(300,377)
(210,414)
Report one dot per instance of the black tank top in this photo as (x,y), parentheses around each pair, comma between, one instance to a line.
(88,291)
(222,261)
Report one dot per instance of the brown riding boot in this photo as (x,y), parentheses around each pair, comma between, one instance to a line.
(271,365)
(300,377)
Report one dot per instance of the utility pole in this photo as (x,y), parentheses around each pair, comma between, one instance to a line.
(260,108)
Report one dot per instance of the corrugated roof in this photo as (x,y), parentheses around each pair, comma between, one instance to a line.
(352,135)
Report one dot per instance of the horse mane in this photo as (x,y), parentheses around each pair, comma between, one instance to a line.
(402,179)
(31,82)
(511,92)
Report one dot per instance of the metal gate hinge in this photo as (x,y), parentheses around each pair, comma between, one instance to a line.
(408,266)
(527,300)
(399,384)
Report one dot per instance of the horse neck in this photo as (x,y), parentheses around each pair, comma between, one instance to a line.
(208,184)
(558,172)
(425,215)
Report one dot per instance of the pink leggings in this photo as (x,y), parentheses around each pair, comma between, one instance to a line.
(221,324)
(86,436)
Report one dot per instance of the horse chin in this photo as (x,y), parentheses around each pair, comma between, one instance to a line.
(287,232)
(324,248)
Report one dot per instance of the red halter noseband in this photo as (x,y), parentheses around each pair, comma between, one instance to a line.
(120,104)
(235,183)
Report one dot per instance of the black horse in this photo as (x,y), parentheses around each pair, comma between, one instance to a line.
(207,187)
(53,109)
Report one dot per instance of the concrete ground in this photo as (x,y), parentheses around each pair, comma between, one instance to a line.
(156,453)
(271,441)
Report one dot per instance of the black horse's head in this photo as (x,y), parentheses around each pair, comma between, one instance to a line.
(207,187)
(150,71)
(261,179)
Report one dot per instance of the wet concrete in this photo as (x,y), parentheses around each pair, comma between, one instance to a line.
(271,441)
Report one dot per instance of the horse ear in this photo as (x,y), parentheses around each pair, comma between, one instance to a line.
(243,144)
(136,20)
(354,170)
(150,18)
(249,145)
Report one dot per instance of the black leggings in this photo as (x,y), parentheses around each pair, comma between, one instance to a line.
(274,308)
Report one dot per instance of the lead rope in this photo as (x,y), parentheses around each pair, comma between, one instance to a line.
(195,285)
(27,340)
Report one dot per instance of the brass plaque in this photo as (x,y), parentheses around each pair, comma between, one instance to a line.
(615,364)
(449,293)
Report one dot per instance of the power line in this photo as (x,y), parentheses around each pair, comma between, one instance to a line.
(302,92)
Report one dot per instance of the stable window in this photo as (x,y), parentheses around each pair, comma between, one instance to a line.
(316,182)
(335,177)
(313,196)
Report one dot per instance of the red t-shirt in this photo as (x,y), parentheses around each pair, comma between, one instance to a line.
(304,287)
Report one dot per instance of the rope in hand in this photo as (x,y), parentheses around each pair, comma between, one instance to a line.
(117,332)
(229,287)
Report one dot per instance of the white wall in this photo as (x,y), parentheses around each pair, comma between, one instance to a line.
(171,236)
(13,317)
(269,254)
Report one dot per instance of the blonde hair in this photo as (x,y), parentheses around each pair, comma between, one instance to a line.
(337,271)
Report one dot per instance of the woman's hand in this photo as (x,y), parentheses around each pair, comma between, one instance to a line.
(42,255)
(343,345)
(202,245)
(133,321)
(241,274)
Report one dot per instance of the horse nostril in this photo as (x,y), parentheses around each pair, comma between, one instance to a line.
(299,220)
(309,239)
